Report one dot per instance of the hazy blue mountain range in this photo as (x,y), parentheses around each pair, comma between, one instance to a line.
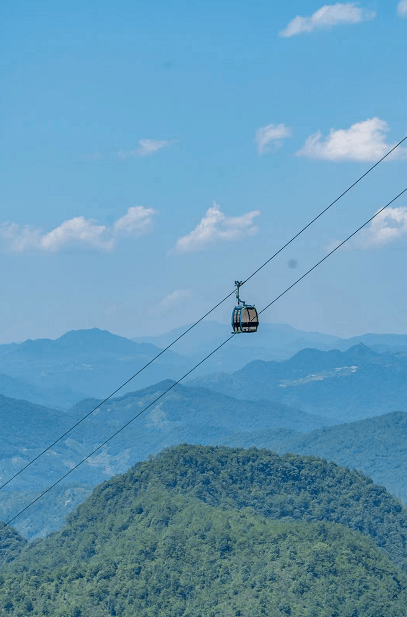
(61,372)
(311,390)
(184,414)
(47,514)
(196,531)
(51,397)
(376,446)
(377,342)
(342,386)
(27,425)
(94,363)
(83,363)
(273,341)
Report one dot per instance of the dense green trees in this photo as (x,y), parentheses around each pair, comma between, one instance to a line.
(376,446)
(192,533)
(11,544)
(168,555)
(279,487)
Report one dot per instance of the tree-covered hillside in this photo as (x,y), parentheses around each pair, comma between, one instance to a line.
(11,544)
(280,487)
(376,446)
(191,533)
(167,555)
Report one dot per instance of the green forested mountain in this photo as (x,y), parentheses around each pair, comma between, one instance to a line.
(376,446)
(281,487)
(168,555)
(193,532)
(11,544)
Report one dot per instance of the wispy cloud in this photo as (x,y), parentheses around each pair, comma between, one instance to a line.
(174,297)
(146,147)
(402,8)
(389,226)
(270,134)
(77,232)
(328,16)
(363,141)
(217,227)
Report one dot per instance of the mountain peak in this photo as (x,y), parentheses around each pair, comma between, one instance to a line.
(361,351)
(91,334)
(103,340)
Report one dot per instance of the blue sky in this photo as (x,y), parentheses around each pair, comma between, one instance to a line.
(153,152)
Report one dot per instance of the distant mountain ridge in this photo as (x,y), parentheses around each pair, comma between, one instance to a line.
(50,397)
(184,414)
(311,390)
(93,363)
(342,386)
(273,341)
(84,363)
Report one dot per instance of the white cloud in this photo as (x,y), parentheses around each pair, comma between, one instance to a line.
(402,8)
(389,226)
(363,141)
(136,222)
(217,227)
(328,16)
(76,232)
(271,133)
(146,147)
(174,297)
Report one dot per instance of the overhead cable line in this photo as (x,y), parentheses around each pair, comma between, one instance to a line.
(197,365)
(51,445)
(333,251)
(325,210)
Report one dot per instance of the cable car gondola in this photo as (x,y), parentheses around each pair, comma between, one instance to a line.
(244,317)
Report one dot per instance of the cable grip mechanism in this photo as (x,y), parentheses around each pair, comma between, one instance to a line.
(238,285)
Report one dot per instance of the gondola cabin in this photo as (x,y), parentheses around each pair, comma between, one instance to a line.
(244,317)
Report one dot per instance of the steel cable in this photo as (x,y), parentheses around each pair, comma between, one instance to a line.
(51,445)
(199,364)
